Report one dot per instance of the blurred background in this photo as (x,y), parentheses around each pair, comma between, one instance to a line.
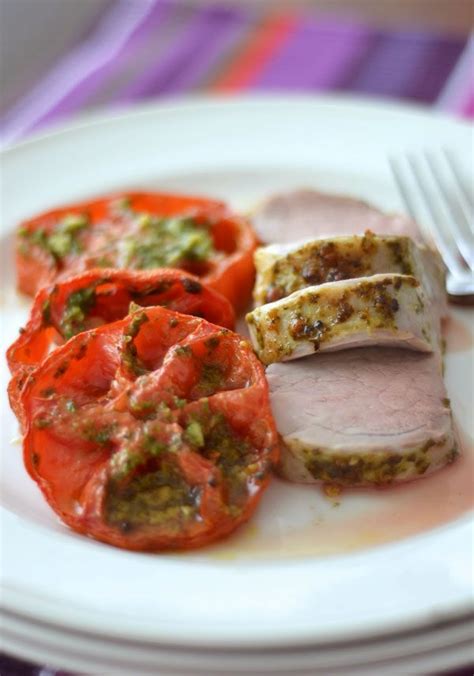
(59,58)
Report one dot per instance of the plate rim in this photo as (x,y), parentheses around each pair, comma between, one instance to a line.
(104,116)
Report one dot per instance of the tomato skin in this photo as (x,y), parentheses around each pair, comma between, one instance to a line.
(231,273)
(234,276)
(209,452)
(113,291)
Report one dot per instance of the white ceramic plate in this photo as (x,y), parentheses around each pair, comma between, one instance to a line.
(307,569)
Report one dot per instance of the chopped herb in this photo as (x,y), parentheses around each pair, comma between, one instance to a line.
(194,434)
(70,406)
(153,447)
(211,378)
(134,307)
(99,436)
(41,423)
(129,355)
(183,351)
(145,406)
(123,462)
(62,240)
(46,312)
(167,242)
(191,285)
(78,305)
(233,455)
(154,498)
(122,203)
(212,342)
(61,370)
(179,403)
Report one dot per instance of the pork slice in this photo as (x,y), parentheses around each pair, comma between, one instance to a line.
(362,417)
(285,268)
(305,214)
(389,309)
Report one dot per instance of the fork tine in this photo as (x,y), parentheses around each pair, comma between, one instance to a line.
(443,241)
(459,222)
(453,165)
(403,188)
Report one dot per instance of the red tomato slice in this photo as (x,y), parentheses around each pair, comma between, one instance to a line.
(140,231)
(144,433)
(99,297)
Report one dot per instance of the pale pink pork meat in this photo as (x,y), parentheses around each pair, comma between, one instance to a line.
(363,416)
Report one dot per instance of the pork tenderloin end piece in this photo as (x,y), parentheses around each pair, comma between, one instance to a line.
(388,309)
(306,213)
(368,416)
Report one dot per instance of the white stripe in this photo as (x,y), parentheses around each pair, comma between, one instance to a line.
(459,84)
(109,38)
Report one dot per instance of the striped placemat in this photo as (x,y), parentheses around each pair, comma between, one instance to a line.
(143,49)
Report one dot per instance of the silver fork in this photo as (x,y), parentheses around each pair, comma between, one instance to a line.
(435,195)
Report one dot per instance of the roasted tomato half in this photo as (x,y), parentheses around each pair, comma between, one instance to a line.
(140,231)
(101,296)
(151,433)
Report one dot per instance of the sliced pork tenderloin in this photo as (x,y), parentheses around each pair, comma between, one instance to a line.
(304,214)
(308,214)
(367,416)
(363,416)
(388,309)
(283,269)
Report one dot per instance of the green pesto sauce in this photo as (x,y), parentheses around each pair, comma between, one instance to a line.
(153,447)
(211,379)
(157,498)
(167,242)
(129,351)
(100,436)
(46,312)
(78,305)
(144,408)
(376,468)
(233,455)
(61,241)
(194,434)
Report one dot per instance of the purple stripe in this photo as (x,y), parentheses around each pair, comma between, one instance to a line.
(316,57)
(154,42)
(187,47)
(226,28)
(460,84)
(78,97)
(410,65)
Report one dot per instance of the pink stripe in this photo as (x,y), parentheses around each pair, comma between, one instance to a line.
(468,110)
